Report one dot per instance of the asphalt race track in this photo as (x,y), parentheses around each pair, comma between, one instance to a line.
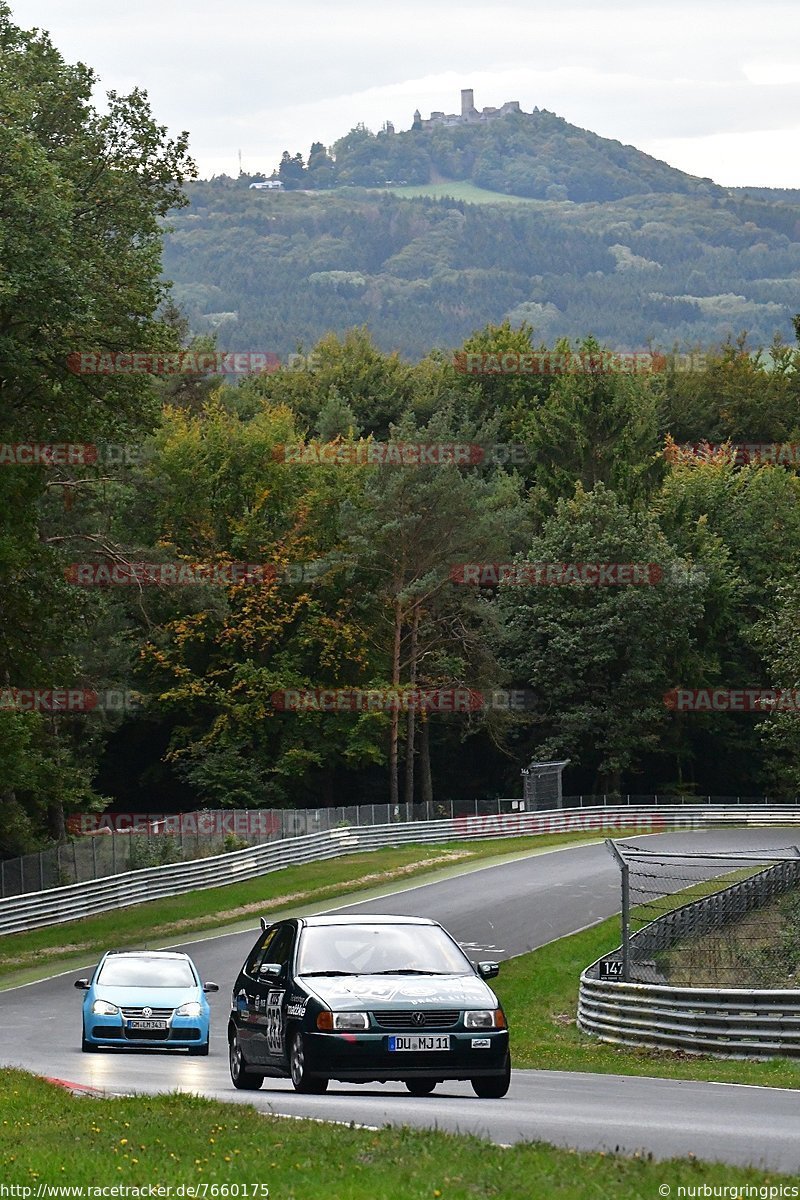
(497,912)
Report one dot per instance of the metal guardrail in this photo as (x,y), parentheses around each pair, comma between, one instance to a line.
(155,841)
(727,1022)
(77,901)
(170,838)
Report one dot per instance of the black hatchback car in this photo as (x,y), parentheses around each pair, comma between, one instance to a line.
(362,999)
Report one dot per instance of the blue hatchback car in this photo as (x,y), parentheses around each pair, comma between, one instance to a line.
(141,998)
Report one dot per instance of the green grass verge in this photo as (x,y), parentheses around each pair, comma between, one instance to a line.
(27,956)
(539,992)
(52,1137)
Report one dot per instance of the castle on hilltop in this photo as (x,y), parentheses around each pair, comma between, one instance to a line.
(469,114)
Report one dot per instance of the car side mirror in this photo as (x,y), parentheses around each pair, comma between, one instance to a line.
(83,985)
(210,987)
(271,970)
(488,970)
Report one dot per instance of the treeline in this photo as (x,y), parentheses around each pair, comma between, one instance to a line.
(270,271)
(538,154)
(341,569)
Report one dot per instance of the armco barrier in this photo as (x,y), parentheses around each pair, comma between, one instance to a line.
(76,901)
(728,1022)
(113,843)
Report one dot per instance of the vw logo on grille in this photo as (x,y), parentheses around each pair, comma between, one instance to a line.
(418,1018)
(147,1012)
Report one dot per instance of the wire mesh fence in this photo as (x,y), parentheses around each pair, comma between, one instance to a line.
(157,840)
(724,918)
(110,844)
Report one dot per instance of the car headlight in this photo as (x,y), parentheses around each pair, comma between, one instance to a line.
(350,1021)
(483,1018)
(102,1008)
(190,1009)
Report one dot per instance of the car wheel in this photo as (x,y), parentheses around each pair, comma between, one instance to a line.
(421,1087)
(241,1078)
(198,1050)
(301,1080)
(492,1087)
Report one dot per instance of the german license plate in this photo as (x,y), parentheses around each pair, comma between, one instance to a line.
(146,1025)
(420,1041)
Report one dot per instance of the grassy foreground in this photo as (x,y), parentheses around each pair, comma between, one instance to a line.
(24,956)
(539,992)
(52,1137)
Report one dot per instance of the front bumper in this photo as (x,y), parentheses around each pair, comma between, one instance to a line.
(112,1031)
(366,1056)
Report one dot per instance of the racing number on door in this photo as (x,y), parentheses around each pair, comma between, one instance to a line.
(274,1022)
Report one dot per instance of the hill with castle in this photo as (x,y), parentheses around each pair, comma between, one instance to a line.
(516,216)
(532,154)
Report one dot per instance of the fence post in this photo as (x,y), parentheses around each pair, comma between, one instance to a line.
(626,911)
(94,858)
(41,872)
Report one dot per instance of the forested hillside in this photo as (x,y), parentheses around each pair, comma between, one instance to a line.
(274,271)
(536,154)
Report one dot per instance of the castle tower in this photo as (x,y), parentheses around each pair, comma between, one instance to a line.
(467,102)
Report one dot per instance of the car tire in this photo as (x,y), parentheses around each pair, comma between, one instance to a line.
(244,1080)
(313,1085)
(202,1049)
(421,1087)
(492,1087)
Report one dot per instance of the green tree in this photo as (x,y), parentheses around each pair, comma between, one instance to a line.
(595,425)
(82,197)
(407,529)
(600,658)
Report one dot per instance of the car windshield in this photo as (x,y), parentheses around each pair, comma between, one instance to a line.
(379,950)
(147,973)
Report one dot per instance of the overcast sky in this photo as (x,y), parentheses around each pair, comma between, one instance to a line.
(711,87)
